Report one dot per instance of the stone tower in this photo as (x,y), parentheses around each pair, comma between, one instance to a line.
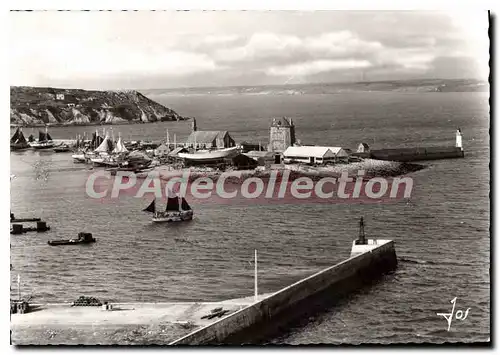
(281,134)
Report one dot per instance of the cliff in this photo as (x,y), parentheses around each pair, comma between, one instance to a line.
(31,106)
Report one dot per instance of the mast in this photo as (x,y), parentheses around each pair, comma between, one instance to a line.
(255,278)
(361,238)
(175,139)
(168,140)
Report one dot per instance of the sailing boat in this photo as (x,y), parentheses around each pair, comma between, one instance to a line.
(18,142)
(44,141)
(104,151)
(177,210)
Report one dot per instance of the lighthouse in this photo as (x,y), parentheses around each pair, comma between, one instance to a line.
(458,143)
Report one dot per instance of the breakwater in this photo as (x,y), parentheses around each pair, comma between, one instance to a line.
(417,154)
(257,321)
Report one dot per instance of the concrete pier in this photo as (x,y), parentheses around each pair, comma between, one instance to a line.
(125,324)
(370,259)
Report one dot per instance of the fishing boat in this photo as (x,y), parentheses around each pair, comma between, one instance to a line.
(208,155)
(79,151)
(103,155)
(62,148)
(177,210)
(84,155)
(44,141)
(18,141)
(83,238)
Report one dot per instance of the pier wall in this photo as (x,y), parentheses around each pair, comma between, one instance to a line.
(416,154)
(254,322)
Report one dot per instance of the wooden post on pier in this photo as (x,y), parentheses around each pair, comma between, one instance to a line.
(255,277)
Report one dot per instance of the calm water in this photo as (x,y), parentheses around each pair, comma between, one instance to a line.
(442,238)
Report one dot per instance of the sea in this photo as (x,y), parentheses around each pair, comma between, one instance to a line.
(442,233)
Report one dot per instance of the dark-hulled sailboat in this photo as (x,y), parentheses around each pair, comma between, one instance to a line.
(177,210)
(44,141)
(18,142)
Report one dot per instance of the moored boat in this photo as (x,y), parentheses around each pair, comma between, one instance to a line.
(177,210)
(18,141)
(44,141)
(83,238)
(62,148)
(208,155)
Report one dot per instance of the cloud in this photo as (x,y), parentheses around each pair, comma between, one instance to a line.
(279,46)
(316,67)
(242,48)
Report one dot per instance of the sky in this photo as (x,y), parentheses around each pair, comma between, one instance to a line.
(168,49)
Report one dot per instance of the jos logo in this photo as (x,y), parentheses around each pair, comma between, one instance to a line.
(459,314)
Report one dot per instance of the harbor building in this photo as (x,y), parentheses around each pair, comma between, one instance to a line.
(281,134)
(315,155)
(248,147)
(363,148)
(209,139)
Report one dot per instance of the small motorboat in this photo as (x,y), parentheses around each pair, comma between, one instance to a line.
(83,238)
(62,148)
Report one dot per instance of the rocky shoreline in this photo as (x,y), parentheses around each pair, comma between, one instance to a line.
(371,167)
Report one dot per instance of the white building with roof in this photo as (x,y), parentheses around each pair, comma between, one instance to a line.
(314,155)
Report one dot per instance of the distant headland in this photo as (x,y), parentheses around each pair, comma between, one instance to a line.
(413,85)
(38,106)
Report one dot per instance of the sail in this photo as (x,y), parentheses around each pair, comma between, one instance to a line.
(99,140)
(15,137)
(120,148)
(172,204)
(49,138)
(104,147)
(41,136)
(111,145)
(184,205)
(21,139)
(151,208)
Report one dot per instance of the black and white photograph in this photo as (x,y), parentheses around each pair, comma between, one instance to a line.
(259,178)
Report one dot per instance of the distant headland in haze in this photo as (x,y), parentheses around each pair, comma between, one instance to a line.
(416,85)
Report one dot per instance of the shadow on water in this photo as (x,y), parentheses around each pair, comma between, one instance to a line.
(301,314)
